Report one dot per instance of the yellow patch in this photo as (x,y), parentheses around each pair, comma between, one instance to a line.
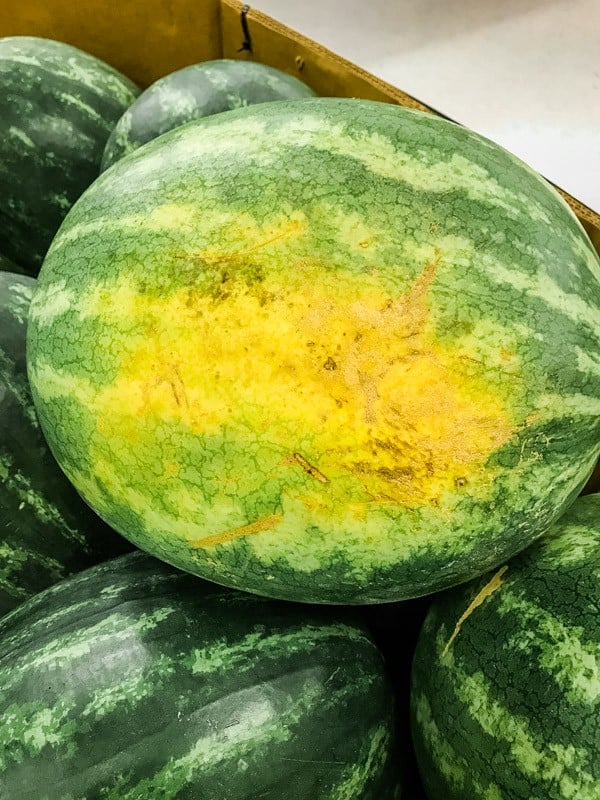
(494,583)
(349,382)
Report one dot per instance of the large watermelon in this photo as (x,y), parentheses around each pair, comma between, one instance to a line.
(199,90)
(506,677)
(46,530)
(58,106)
(134,681)
(325,350)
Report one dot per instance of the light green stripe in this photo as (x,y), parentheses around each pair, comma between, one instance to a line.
(140,682)
(555,763)
(23,138)
(257,722)
(541,287)
(587,362)
(12,563)
(50,302)
(369,764)
(27,728)
(19,387)
(216,657)
(570,546)
(558,648)
(15,482)
(76,102)
(454,768)
(68,648)
(579,404)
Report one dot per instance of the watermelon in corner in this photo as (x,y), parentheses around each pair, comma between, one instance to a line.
(197,91)
(58,106)
(506,675)
(46,530)
(135,681)
(330,350)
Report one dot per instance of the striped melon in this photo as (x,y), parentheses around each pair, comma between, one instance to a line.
(46,530)
(134,681)
(58,106)
(506,677)
(199,90)
(326,350)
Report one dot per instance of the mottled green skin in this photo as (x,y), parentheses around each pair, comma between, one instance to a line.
(511,710)
(516,267)
(133,680)
(46,530)
(197,91)
(58,106)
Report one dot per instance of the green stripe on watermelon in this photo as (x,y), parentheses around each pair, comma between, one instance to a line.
(330,351)
(46,530)
(58,106)
(506,676)
(199,90)
(135,680)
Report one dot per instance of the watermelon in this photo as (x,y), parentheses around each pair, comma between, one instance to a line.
(46,530)
(506,676)
(58,106)
(199,90)
(328,350)
(134,681)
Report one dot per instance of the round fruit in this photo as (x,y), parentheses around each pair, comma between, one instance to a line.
(325,350)
(194,92)
(58,106)
(506,676)
(134,681)
(46,530)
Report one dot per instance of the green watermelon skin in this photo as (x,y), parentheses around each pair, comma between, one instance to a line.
(197,91)
(506,688)
(58,106)
(46,530)
(330,351)
(133,680)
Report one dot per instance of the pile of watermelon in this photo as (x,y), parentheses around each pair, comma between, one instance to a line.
(299,397)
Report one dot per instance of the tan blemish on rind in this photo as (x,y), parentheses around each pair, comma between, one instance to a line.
(309,469)
(494,583)
(258,526)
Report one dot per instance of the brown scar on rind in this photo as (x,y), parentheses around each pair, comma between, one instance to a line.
(494,583)
(309,469)
(258,526)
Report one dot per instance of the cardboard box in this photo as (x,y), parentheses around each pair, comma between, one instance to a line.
(146,41)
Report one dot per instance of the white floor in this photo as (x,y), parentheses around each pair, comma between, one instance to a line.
(525,73)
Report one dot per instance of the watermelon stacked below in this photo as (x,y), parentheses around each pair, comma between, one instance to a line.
(331,350)
(506,679)
(133,680)
(197,91)
(46,530)
(58,106)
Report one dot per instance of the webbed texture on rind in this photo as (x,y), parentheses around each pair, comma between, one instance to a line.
(331,350)
(506,675)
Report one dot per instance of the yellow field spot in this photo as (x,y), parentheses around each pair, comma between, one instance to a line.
(343,377)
